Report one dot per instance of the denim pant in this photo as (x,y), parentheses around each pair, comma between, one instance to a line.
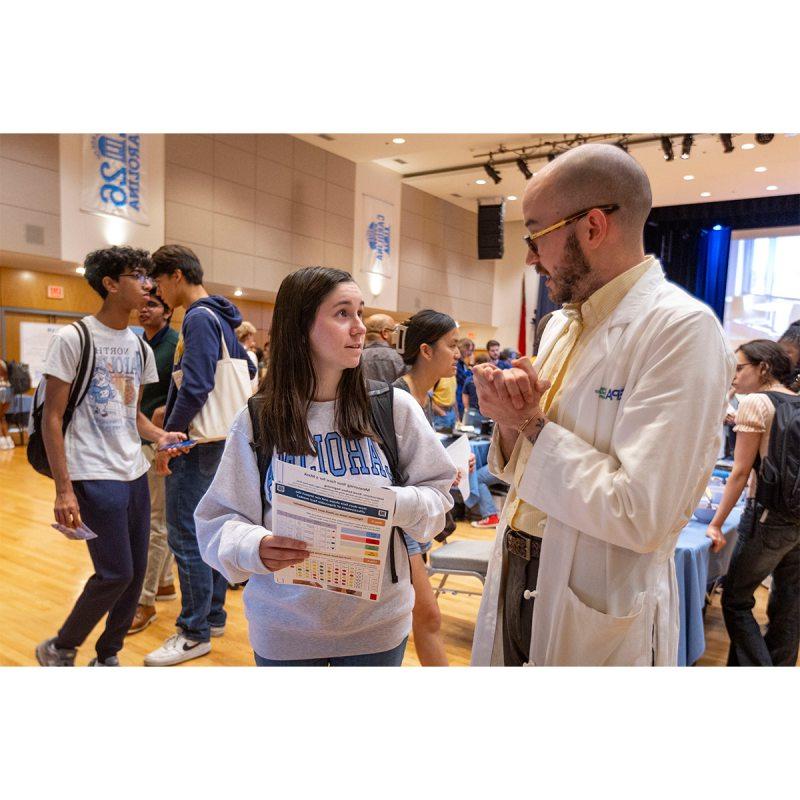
(119,513)
(485,499)
(517,610)
(388,658)
(203,589)
(447,421)
(773,547)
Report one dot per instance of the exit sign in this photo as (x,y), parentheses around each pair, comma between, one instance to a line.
(55,292)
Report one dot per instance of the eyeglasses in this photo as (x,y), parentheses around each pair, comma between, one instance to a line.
(530,238)
(139,275)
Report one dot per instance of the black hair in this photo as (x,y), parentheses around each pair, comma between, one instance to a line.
(156,296)
(290,383)
(425,327)
(111,262)
(792,334)
(769,353)
(172,257)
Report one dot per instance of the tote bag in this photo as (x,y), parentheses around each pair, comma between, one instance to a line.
(231,390)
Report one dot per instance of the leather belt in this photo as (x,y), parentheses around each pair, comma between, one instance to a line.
(522,544)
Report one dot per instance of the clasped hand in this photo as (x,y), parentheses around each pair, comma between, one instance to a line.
(509,396)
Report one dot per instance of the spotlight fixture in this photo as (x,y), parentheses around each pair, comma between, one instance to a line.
(764,138)
(492,172)
(686,146)
(551,156)
(522,165)
(622,146)
(666,146)
(727,142)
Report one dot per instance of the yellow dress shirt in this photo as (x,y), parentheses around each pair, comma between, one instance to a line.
(584,318)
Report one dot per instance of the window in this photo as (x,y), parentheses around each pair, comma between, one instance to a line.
(763,291)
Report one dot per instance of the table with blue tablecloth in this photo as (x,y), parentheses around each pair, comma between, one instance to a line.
(695,567)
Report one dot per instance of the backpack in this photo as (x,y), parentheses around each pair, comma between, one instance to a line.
(36,451)
(779,474)
(19,376)
(381,400)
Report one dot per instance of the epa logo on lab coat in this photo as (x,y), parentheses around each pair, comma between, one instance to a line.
(609,394)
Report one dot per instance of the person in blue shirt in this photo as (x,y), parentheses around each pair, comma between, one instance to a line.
(179,279)
(466,347)
(493,349)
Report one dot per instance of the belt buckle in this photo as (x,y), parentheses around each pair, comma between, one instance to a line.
(518,544)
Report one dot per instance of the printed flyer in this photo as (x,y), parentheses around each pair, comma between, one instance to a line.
(348,528)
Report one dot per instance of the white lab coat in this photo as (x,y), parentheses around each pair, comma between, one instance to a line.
(618,477)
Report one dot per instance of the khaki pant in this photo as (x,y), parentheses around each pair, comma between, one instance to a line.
(159,556)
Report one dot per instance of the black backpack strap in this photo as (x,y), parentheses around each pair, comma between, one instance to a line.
(83,378)
(381,400)
(261,446)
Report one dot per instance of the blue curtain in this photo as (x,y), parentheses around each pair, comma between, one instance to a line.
(712,267)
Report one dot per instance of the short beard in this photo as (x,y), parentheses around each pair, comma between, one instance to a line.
(571,284)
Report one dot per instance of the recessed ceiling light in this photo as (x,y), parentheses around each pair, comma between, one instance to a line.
(771,188)
(511,197)
(688,177)
(705,194)
(80,270)
(760,169)
(748,146)
(480,181)
(238,293)
(398,140)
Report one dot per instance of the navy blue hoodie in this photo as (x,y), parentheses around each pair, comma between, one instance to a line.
(199,348)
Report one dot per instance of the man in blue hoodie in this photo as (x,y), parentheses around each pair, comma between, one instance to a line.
(179,279)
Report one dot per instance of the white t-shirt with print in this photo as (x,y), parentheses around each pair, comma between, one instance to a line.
(102,441)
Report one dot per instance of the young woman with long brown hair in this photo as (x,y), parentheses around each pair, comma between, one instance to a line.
(316,411)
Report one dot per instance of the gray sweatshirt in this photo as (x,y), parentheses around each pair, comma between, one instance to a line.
(294,622)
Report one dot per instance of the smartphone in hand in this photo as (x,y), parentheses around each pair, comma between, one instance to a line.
(175,445)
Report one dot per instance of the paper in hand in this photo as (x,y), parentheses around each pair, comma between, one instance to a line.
(459,452)
(81,532)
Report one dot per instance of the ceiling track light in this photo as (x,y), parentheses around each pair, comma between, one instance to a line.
(727,142)
(686,146)
(764,138)
(551,156)
(522,166)
(622,146)
(492,172)
(666,146)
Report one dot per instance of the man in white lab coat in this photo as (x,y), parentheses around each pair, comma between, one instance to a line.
(608,442)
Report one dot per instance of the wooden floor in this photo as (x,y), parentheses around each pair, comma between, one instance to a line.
(42,573)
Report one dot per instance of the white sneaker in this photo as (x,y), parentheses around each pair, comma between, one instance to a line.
(6,443)
(176,650)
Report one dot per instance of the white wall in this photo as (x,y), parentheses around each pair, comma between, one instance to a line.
(29,199)
(82,232)
(382,184)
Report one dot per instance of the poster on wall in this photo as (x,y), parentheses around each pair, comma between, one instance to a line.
(114,176)
(34,337)
(378,226)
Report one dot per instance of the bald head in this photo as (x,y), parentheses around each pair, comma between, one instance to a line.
(589,176)
(379,326)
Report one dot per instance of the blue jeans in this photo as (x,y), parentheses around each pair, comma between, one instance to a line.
(485,499)
(203,589)
(388,658)
(119,513)
(768,548)
(447,421)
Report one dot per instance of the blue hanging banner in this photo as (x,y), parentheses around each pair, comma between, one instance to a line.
(114,176)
